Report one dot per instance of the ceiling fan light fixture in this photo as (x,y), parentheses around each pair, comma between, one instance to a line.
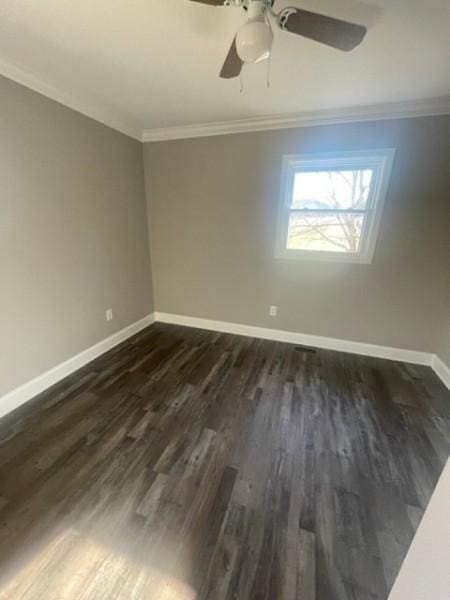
(254,41)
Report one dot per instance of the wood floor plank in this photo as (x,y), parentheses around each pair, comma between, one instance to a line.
(198,465)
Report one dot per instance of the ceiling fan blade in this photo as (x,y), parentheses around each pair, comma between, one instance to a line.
(327,30)
(233,64)
(210,2)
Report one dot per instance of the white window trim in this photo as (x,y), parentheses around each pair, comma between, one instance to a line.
(380,160)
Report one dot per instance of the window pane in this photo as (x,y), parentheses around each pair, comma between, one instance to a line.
(330,233)
(338,190)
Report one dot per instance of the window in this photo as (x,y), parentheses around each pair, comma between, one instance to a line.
(331,204)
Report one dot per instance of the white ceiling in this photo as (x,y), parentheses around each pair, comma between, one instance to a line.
(145,64)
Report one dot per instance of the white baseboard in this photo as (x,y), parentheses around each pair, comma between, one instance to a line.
(441,370)
(25,392)
(316,341)
(305,339)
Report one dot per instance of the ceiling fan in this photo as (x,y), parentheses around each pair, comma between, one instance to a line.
(253,42)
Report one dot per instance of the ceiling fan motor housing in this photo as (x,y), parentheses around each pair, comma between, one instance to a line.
(246,3)
(256,8)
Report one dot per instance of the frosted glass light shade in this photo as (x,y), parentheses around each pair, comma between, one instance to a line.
(254,41)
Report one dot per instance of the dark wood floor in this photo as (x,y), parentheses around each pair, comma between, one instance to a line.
(188,464)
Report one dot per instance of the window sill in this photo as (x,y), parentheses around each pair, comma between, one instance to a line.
(320,256)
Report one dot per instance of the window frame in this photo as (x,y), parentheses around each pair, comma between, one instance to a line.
(380,161)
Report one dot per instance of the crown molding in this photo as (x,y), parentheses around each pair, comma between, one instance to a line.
(375,112)
(92,110)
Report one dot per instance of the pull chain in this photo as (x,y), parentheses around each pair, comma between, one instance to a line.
(270,51)
(241,79)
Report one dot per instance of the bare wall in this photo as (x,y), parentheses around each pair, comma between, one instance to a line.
(424,574)
(213,204)
(73,234)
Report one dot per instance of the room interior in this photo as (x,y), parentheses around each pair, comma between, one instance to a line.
(225,307)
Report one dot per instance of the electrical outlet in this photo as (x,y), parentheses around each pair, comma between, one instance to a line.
(109,314)
(273,311)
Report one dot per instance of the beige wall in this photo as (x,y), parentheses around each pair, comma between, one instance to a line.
(73,234)
(213,205)
(74,241)
(442,343)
